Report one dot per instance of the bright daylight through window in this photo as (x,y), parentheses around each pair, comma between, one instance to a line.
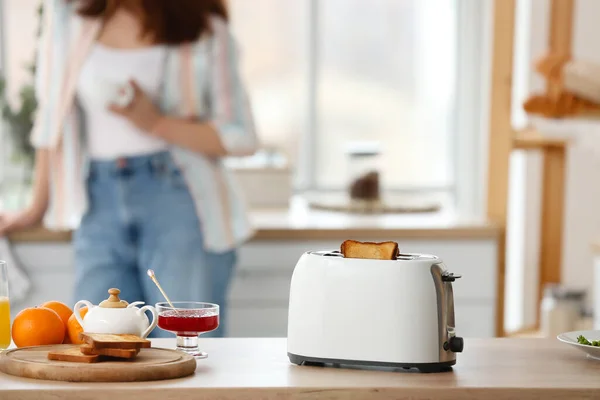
(353,70)
(324,75)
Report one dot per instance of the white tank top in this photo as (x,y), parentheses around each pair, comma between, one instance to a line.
(109,135)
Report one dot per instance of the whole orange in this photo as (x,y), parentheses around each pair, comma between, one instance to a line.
(37,326)
(74,329)
(63,310)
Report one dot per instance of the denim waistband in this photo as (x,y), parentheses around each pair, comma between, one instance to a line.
(128,166)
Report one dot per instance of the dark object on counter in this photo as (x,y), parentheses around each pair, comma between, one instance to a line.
(365,187)
(455,344)
(427,368)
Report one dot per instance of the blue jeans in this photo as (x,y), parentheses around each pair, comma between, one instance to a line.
(141,216)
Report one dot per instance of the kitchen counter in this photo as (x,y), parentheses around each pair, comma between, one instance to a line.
(259,294)
(258,368)
(300,222)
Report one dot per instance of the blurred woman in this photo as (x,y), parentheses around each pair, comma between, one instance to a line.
(139,101)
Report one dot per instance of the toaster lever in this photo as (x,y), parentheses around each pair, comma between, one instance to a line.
(450,277)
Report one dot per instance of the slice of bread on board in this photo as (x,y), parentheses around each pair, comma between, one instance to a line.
(73,354)
(117,353)
(109,341)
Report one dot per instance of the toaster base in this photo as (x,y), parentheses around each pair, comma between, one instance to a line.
(422,367)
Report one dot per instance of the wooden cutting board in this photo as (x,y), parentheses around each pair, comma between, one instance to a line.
(149,365)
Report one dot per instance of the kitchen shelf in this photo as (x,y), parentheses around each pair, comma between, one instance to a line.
(531,139)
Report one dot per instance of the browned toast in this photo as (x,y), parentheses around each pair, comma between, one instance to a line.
(108,341)
(117,353)
(369,250)
(73,354)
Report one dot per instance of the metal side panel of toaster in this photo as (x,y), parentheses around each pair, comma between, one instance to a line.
(449,343)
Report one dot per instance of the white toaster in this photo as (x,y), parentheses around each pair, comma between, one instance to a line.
(397,313)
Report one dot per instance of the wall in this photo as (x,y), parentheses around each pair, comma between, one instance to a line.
(582,215)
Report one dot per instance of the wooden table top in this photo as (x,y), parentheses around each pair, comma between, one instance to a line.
(259,368)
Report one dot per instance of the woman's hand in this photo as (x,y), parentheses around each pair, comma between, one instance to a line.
(193,135)
(10,223)
(141,112)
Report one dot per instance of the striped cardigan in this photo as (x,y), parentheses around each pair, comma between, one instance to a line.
(201,81)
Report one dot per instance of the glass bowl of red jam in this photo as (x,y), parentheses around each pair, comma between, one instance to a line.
(188,320)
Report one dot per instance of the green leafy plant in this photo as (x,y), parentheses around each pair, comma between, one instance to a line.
(19,120)
(582,340)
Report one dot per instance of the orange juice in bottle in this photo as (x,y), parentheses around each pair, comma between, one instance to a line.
(4,323)
(4,308)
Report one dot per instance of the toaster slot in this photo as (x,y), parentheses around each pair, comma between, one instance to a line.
(334,253)
(400,256)
(412,257)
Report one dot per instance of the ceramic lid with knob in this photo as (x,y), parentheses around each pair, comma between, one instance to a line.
(113,301)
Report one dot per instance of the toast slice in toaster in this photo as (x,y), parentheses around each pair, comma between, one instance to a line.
(369,250)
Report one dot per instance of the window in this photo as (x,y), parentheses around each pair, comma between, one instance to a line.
(18,28)
(379,77)
(323,73)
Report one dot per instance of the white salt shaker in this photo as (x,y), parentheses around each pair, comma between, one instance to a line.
(596,292)
(560,310)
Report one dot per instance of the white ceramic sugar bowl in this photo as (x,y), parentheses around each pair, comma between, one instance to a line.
(116,316)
